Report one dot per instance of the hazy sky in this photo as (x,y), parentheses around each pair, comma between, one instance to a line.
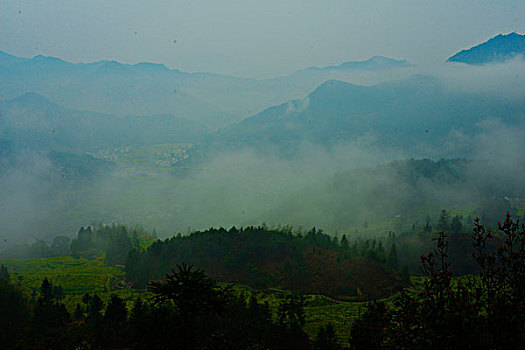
(252,38)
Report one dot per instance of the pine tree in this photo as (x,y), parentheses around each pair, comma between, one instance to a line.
(78,314)
(428,226)
(139,324)
(192,291)
(46,291)
(94,310)
(4,274)
(443,224)
(115,318)
(380,252)
(291,313)
(455,224)
(345,248)
(14,314)
(50,318)
(138,311)
(392,257)
(326,339)
(116,313)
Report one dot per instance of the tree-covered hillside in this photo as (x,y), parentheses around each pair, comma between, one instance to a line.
(267,258)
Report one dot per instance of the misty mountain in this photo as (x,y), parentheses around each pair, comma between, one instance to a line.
(146,88)
(399,192)
(58,169)
(34,121)
(500,48)
(77,166)
(415,114)
(6,154)
(374,63)
(107,87)
(6,59)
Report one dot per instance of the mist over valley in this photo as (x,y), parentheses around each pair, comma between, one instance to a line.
(262,175)
(295,162)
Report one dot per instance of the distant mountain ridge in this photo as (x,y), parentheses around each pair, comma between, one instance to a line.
(500,48)
(213,100)
(374,63)
(411,114)
(37,122)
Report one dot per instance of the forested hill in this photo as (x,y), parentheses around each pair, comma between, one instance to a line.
(266,258)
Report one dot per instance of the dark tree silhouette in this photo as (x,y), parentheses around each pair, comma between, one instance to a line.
(78,315)
(115,318)
(191,291)
(443,224)
(455,224)
(366,331)
(326,339)
(482,312)
(392,260)
(4,274)
(14,315)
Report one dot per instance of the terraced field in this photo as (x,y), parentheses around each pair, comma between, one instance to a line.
(75,276)
(80,276)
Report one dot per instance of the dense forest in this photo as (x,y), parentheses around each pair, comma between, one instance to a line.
(309,262)
(189,309)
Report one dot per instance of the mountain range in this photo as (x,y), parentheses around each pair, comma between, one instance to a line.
(147,88)
(373,64)
(500,48)
(34,121)
(58,111)
(416,114)
(46,102)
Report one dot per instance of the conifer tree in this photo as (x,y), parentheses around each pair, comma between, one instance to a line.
(392,261)
(4,274)
(443,224)
(326,338)
(78,314)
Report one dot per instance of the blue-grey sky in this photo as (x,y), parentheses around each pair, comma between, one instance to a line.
(252,38)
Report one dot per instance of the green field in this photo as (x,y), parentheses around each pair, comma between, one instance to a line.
(75,276)
(80,276)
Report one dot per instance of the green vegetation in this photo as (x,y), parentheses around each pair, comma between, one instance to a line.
(260,257)
(154,320)
(76,276)
(278,262)
(485,312)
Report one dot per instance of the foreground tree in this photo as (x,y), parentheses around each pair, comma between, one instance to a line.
(191,291)
(291,322)
(326,339)
(14,314)
(483,312)
(367,330)
(190,296)
(115,318)
(50,318)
